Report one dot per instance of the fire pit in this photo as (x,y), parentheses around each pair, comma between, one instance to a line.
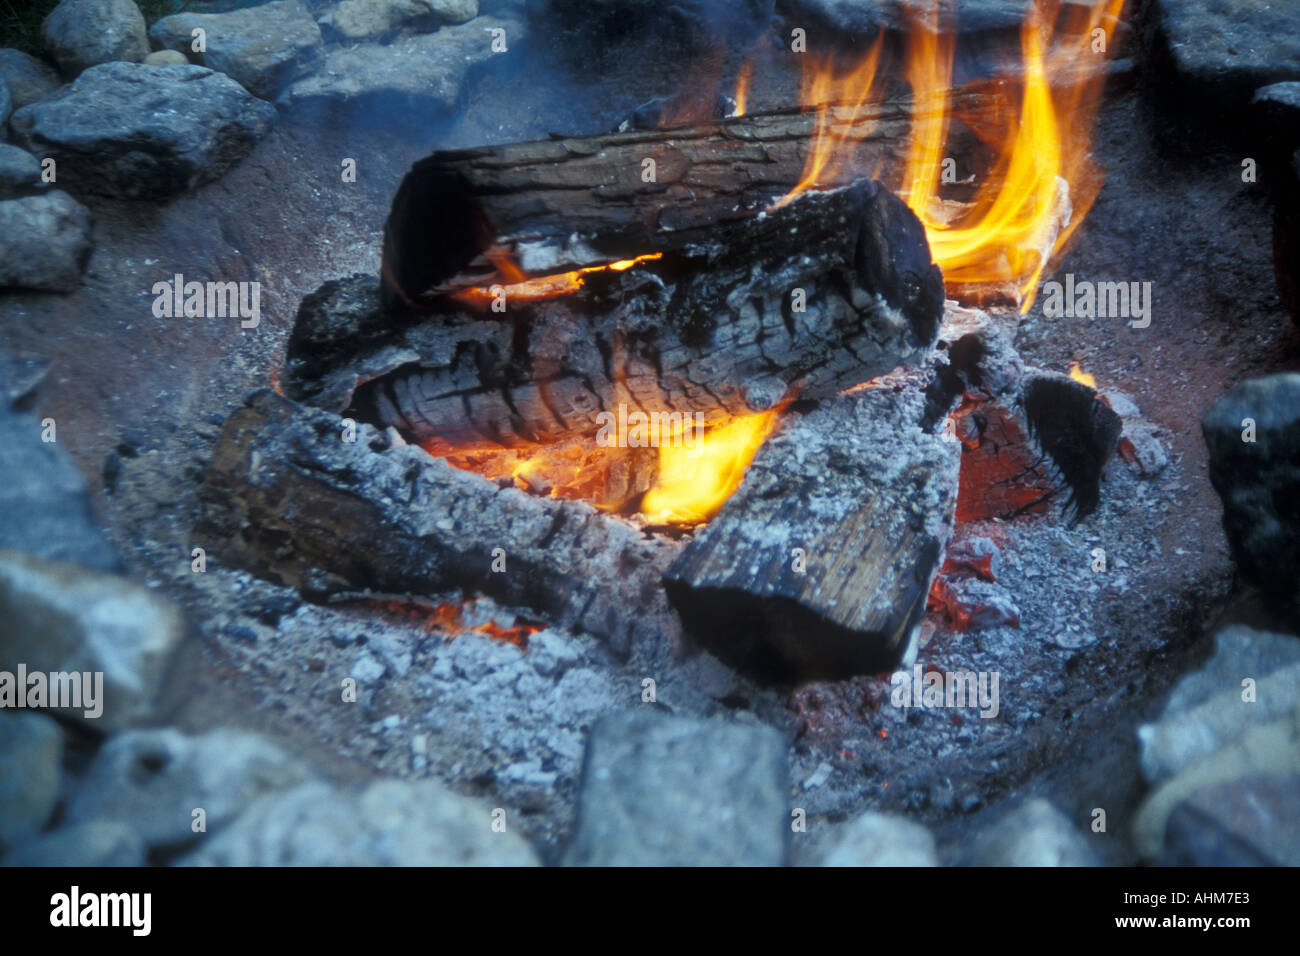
(808,403)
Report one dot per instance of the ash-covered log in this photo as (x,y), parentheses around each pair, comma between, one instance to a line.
(830,290)
(819,566)
(566,203)
(287,497)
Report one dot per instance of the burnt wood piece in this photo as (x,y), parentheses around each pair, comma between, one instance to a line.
(1023,449)
(560,204)
(860,497)
(286,497)
(832,289)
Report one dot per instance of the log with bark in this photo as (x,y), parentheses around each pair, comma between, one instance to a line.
(818,567)
(289,498)
(571,202)
(830,290)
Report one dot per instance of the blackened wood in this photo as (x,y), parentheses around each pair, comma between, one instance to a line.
(286,497)
(564,203)
(831,290)
(819,565)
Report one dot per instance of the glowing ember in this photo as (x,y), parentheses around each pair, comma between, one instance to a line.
(742,88)
(692,484)
(520,289)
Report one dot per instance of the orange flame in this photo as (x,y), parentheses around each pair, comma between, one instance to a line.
(742,88)
(518,288)
(831,149)
(1043,182)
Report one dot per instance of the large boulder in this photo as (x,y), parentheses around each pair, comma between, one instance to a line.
(262,48)
(426,70)
(44,241)
(31,750)
(390,823)
(27,77)
(44,504)
(84,33)
(1253,436)
(144,132)
(98,843)
(20,173)
(362,19)
(61,618)
(879,839)
(1035,834)
(661,790)
(155,780)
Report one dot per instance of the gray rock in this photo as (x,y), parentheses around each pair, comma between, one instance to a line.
(661,790)
(426,69)
(83,33)
(154,780)
(20,172)
(44,505)
(60,617)
(1220,53)
(880,839)
(6,104)
(1239,652)
(144,132)
(263,48)
(1181,739)
(44,242)
(390,823)
(362,19)
(1254,821)
(28,78)
(98,843)
(31,750)
(166,58)
(1036,834)
(1267,749)
(1259,481)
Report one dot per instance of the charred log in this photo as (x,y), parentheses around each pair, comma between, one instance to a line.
(819,566)
(826,292)
(561,204)
(286,497)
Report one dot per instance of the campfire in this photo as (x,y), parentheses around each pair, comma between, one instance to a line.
(720,331)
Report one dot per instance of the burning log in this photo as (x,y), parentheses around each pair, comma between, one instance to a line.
(568,203)
(819,566)
(828,291)
(289,498)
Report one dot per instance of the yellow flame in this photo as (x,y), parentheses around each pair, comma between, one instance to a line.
(694,483)
(1079,375)
(830,152)
(1043,182)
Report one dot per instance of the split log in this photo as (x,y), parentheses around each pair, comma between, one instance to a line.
(830,290)
(820,564)
(566,203)
(287,498)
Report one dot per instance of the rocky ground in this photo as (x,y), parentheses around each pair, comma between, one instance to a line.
(232,739)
